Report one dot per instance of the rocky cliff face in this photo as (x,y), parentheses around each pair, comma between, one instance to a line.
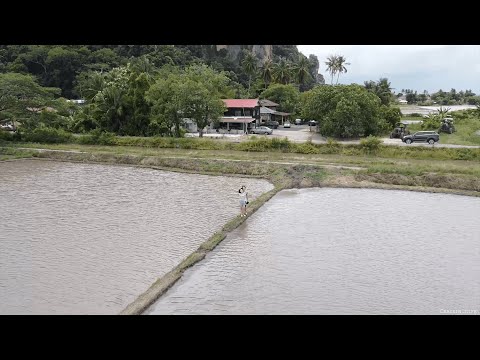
(320,79)
(262,52)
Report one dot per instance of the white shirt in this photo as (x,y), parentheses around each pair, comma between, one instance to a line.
(243,196)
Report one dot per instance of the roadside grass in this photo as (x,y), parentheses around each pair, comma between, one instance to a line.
(273,147)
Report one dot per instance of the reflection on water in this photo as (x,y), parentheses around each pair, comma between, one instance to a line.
(84,238)
(341,251)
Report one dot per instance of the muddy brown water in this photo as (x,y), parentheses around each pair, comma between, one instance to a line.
(341,251)
(88,238)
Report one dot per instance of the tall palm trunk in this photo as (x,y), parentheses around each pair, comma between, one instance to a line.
(177,126)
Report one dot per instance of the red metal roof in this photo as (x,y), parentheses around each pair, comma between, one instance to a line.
(241,103)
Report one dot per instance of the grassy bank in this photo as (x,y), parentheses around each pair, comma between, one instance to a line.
(273,145)
(283,169)
(12,154)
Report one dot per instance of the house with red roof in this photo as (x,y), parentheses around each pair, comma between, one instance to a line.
(241,115)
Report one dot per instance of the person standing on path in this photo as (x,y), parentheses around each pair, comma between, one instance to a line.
(243,195)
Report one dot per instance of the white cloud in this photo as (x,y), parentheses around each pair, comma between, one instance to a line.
(416,67)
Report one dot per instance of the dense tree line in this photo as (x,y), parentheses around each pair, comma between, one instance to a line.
(452,97)
(61,66)
(149,90)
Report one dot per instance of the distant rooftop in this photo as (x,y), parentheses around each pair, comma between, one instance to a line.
(241,103)
(80,101)
(266,102)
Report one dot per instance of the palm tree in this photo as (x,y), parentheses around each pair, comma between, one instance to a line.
(266,72)
(370,85)
(282,71)
(111,102)
(442,111)
(341,62)
(384,91)
(249,64)
(94,83)
(302,70)
(144,65)
(331,65)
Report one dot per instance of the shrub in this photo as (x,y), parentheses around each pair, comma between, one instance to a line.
(7,136)
(370,144)
(47,135)
(98,137)
(307,148)
(260,144)
(331,147)
(281,144)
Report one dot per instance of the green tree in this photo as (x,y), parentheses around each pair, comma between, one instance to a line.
(411,97)
(110,108)
(391,115)
(267,72)
(167,103)
(120,105)
(64,64)
(473,100)
(382,89)
(302,70)
(19,94)
(336,65)
(203,88)
(343,110)
(340,64)
(287,96)
(35,59)
(88,84)
(331,66)
(249,64)
(282,71)
(103,60)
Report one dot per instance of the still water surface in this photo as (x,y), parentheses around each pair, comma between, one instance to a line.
(341,251)
(88,239)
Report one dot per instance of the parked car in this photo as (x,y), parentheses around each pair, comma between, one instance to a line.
(272,124)
(298,121)
(287,125)
(262,130)
(7,127)
(312,123)
(422,136)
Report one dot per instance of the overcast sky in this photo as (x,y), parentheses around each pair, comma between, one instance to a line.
(417,67)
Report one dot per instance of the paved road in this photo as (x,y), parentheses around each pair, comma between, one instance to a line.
(302,133)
